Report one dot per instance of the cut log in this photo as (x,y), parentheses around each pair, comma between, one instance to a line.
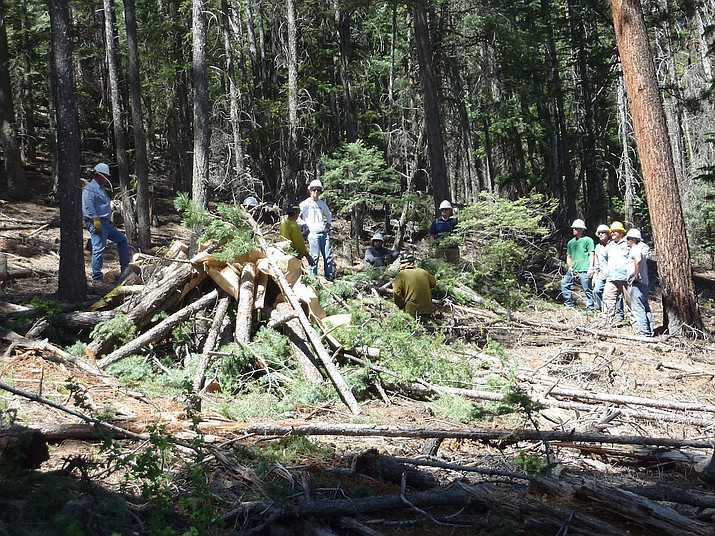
(244,308)
(159,295)
(160,330)
(325,358)
(210,344)
(297,337)
(78,320)
(476,434)
(22,448)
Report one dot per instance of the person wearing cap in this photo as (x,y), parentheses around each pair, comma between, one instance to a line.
(442,226)
(314,212)
(250,203)
(579,260)
(637,274)
(97,211)
(599,270)
(412,287)
(377,256)
(616,257)
(291,231)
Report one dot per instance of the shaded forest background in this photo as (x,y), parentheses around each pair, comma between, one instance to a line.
(437,99)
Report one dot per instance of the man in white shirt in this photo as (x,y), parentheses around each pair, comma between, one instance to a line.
(316,215)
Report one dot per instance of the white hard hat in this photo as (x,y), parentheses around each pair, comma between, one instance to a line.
(603,228)
(634,233)
(445,204)
(103,169)
(578,224)
(250,201)
(378,236)
(315,184)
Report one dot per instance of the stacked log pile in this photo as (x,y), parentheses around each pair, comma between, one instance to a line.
(266,282)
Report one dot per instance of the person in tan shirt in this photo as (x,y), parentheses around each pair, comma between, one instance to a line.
(412,287)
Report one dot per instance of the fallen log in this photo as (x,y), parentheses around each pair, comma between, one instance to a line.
(22,447)
(500,435)
(159,331)
(297,338)
(210,344)
(164,295)
(244,307)
(59,353)
(79,320)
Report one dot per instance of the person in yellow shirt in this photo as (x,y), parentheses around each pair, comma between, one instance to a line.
(291,231)
(412,287)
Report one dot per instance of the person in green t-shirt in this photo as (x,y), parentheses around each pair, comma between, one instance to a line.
(579,259)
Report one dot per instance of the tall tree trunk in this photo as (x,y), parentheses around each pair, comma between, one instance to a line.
(432,117)
(594,206)
(289,185)
(234,96)
(201,114)
(141,160)
(680,305)
(71,286)
(14,172)
(626,173)
(120,136)
(29,141)
(343,25)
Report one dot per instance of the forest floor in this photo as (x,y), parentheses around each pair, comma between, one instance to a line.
(549,344)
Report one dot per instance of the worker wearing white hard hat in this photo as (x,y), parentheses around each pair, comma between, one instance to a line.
(377,255)
(442,231)
(639,286)
(579,262)
(97,212)
(314,212)
(599,269)
(250,202)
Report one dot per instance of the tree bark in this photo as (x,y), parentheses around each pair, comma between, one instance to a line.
(432,116)
(120,133)
(244,308)
(71,286)
(234,105)
(680,306)
(211,341)
(141,161)
(14,172)
(202,114)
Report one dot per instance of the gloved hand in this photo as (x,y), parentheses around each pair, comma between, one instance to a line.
(311,261)
(97,225)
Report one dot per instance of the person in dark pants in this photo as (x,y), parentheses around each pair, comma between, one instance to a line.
(442,226)
(378,256)
(97,213)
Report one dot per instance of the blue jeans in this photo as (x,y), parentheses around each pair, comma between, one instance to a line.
(99,244)
(319,243)
(584,280)
(641,309)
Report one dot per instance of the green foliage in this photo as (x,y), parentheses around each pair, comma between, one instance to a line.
(531,463)
(118,328)
(454,407)
(45,306)
(228,228)
(357,179)
(77,348)
(700,219)
(405,346)
(503,236)
(132,369)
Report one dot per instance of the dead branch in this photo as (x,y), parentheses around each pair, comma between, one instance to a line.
(502,435)
(244,308)
(210,343)
(159,331)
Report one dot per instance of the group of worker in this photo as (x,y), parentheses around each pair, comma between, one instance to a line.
(613,274)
